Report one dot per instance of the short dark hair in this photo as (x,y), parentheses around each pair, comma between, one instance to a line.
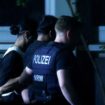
(46,24)
(66,23)
(29,24)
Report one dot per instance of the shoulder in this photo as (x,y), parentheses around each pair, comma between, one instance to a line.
(36,44)
(13,55)
(56,45)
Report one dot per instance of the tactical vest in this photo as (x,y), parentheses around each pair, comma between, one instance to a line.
(43,66)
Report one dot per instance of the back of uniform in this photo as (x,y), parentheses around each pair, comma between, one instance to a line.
(45,63)
(31,49)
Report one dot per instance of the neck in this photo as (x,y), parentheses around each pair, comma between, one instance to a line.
(60,39)
(20,46)
(42,37)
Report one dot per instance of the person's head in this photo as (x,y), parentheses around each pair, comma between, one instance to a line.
(45,29)
(66,29)
(29,25)
(25,31)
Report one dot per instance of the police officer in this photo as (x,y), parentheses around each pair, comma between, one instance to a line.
(45,33)
(50,68)
(12,60)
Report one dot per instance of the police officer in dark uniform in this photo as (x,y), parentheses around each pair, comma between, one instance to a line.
(50,68)
(45,33)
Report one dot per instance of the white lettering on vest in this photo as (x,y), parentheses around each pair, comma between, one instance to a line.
(41,59)
(38,78)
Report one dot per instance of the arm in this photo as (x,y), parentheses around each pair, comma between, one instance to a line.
(9,86)
(18,82)
(65,64)
(25,96)
(66,87)
(11,69)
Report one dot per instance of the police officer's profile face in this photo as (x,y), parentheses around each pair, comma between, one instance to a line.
(22,32)
(25,36)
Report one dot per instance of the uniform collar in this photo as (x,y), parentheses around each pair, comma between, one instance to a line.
(13,48)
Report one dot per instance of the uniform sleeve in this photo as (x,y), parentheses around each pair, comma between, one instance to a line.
(62,60)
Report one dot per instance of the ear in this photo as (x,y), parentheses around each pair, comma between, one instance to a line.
(27,34)
(50,35)
(68,34)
